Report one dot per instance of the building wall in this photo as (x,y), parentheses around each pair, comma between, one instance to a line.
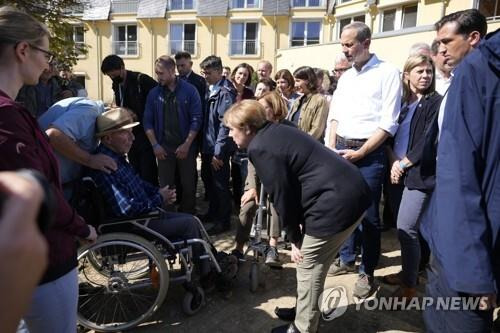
(213,37)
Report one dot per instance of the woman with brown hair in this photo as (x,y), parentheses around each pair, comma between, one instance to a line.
(24,55)
(286,86)
(309,112)
(241,79)
(319,196)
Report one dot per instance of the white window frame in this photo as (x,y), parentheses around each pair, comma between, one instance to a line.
(398,20)
(351,17)
(116,25)
(183,6)
(73,35)
(259,5)
(306,21)
(257,40)
(183,23)
(320,5)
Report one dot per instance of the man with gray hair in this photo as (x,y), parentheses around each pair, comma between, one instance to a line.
(364,113)
(420,49)
(341,66)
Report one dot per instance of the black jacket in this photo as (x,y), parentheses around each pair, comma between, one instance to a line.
(133,96)
(201,86)
(421,123)
(308,183)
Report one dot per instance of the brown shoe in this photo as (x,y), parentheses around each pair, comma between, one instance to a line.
(406,292)
(393,279)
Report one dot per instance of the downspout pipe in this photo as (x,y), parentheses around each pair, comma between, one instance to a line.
(100,90)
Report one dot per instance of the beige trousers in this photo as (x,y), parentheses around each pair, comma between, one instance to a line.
(318,254)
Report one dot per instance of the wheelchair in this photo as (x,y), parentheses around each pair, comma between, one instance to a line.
(124,277)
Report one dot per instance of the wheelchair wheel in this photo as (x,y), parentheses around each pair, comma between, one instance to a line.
(254,277)
(95,259)
(112,295)
(193,302)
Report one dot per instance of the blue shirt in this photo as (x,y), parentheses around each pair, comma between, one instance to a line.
(125,193)
(76,118)
(462,222)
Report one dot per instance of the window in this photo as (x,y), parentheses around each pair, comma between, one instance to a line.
(305,33)
(348,20)
(307,3)
(388,20)
(182,4)
(489,8)
(244,40)
(78,38)
(125,40)
(245,4)
(399,18)
(409,16)
(183,38)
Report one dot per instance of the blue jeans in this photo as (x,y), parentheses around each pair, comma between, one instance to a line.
(373,168)
(412,203)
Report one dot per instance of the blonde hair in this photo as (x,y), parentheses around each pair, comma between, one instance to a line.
(247,114)
(410,64)
(277,103)
(17,26)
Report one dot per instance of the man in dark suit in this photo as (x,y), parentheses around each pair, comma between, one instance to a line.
(131,90)
(184,68)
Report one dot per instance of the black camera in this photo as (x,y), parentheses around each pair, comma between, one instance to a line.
(46,212)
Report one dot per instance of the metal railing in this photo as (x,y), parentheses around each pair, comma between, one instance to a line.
(243,47)
(183,45)
(126,48)
(124,6)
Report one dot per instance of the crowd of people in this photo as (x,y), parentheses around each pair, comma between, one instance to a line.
(326,146)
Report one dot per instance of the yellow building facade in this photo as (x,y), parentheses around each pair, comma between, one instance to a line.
(288,33)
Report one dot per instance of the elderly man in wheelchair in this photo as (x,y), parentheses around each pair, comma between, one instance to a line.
(124,276)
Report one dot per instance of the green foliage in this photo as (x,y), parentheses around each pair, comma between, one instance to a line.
(57,15)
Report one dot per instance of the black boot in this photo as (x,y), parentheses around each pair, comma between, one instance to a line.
(286,314)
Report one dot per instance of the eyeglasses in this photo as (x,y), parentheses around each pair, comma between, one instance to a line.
(48,55)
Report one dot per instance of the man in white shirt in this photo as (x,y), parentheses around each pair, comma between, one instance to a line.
(364,113)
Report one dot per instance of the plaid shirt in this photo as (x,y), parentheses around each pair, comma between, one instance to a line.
(125,193)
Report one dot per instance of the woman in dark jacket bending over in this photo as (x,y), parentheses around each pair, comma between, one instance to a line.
(318,195)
